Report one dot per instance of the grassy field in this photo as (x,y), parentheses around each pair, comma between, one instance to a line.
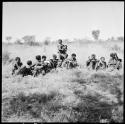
(76,95)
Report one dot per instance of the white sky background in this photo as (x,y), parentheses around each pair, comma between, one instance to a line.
(62,19)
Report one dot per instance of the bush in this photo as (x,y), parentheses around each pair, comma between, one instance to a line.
(116,48)
(18,42)
(46,42)
(5,57)
(31,43)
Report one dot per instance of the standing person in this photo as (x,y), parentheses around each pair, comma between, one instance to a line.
(62,51)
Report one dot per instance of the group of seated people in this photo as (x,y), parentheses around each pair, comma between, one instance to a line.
(42,66)
(113,63)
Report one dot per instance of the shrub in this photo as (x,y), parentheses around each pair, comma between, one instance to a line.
(30,40)
(31,43)
(46,42)
(18,41)
(116,48)
(5,57)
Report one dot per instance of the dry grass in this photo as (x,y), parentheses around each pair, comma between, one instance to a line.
(63,95)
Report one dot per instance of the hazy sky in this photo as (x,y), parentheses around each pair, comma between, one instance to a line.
(63,19)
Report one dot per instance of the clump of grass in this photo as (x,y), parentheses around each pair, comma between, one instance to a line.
(78,77)
(90,109)
(32,104)
(117,114)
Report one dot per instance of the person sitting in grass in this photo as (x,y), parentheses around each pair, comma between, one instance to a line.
(17,65)
(119,62)
(26,70)
(91,63)
(71,63)
(39,65)
(54,62)
(101,65)
(114,62)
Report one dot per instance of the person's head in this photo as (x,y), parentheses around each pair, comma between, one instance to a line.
(17,59)
(93,56)
(43,57)
(102,59)
(73,55)
(38,58)
(120,60)
(60,41)
(54,56)
(112,55)
(29,62)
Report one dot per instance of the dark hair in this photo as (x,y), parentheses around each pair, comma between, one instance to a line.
(43,57)
(73,54)
(120,60)
(29,62)
(111,54)
(38,57)
(102,58)
(115,54)
(60,40)
(93,55)
(17,58)
(54,55)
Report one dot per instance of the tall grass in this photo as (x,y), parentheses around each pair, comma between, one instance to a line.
(77,95)
(90,104)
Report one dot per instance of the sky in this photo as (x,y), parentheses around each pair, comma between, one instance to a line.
(66,20)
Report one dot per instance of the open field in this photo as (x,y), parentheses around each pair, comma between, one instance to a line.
(76,95)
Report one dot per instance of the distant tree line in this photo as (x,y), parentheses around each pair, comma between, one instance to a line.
(31,40)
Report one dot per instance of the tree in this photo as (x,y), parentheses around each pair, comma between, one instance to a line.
(120,38)
(18,41)
(95,34)
(112,38)
(46,41)
(8,38)
(29,39)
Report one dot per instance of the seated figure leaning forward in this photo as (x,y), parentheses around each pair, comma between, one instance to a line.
(114,62)
(71,63)
(91,62)
(40,66)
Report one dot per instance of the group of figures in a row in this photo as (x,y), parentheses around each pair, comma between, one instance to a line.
(43,66)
